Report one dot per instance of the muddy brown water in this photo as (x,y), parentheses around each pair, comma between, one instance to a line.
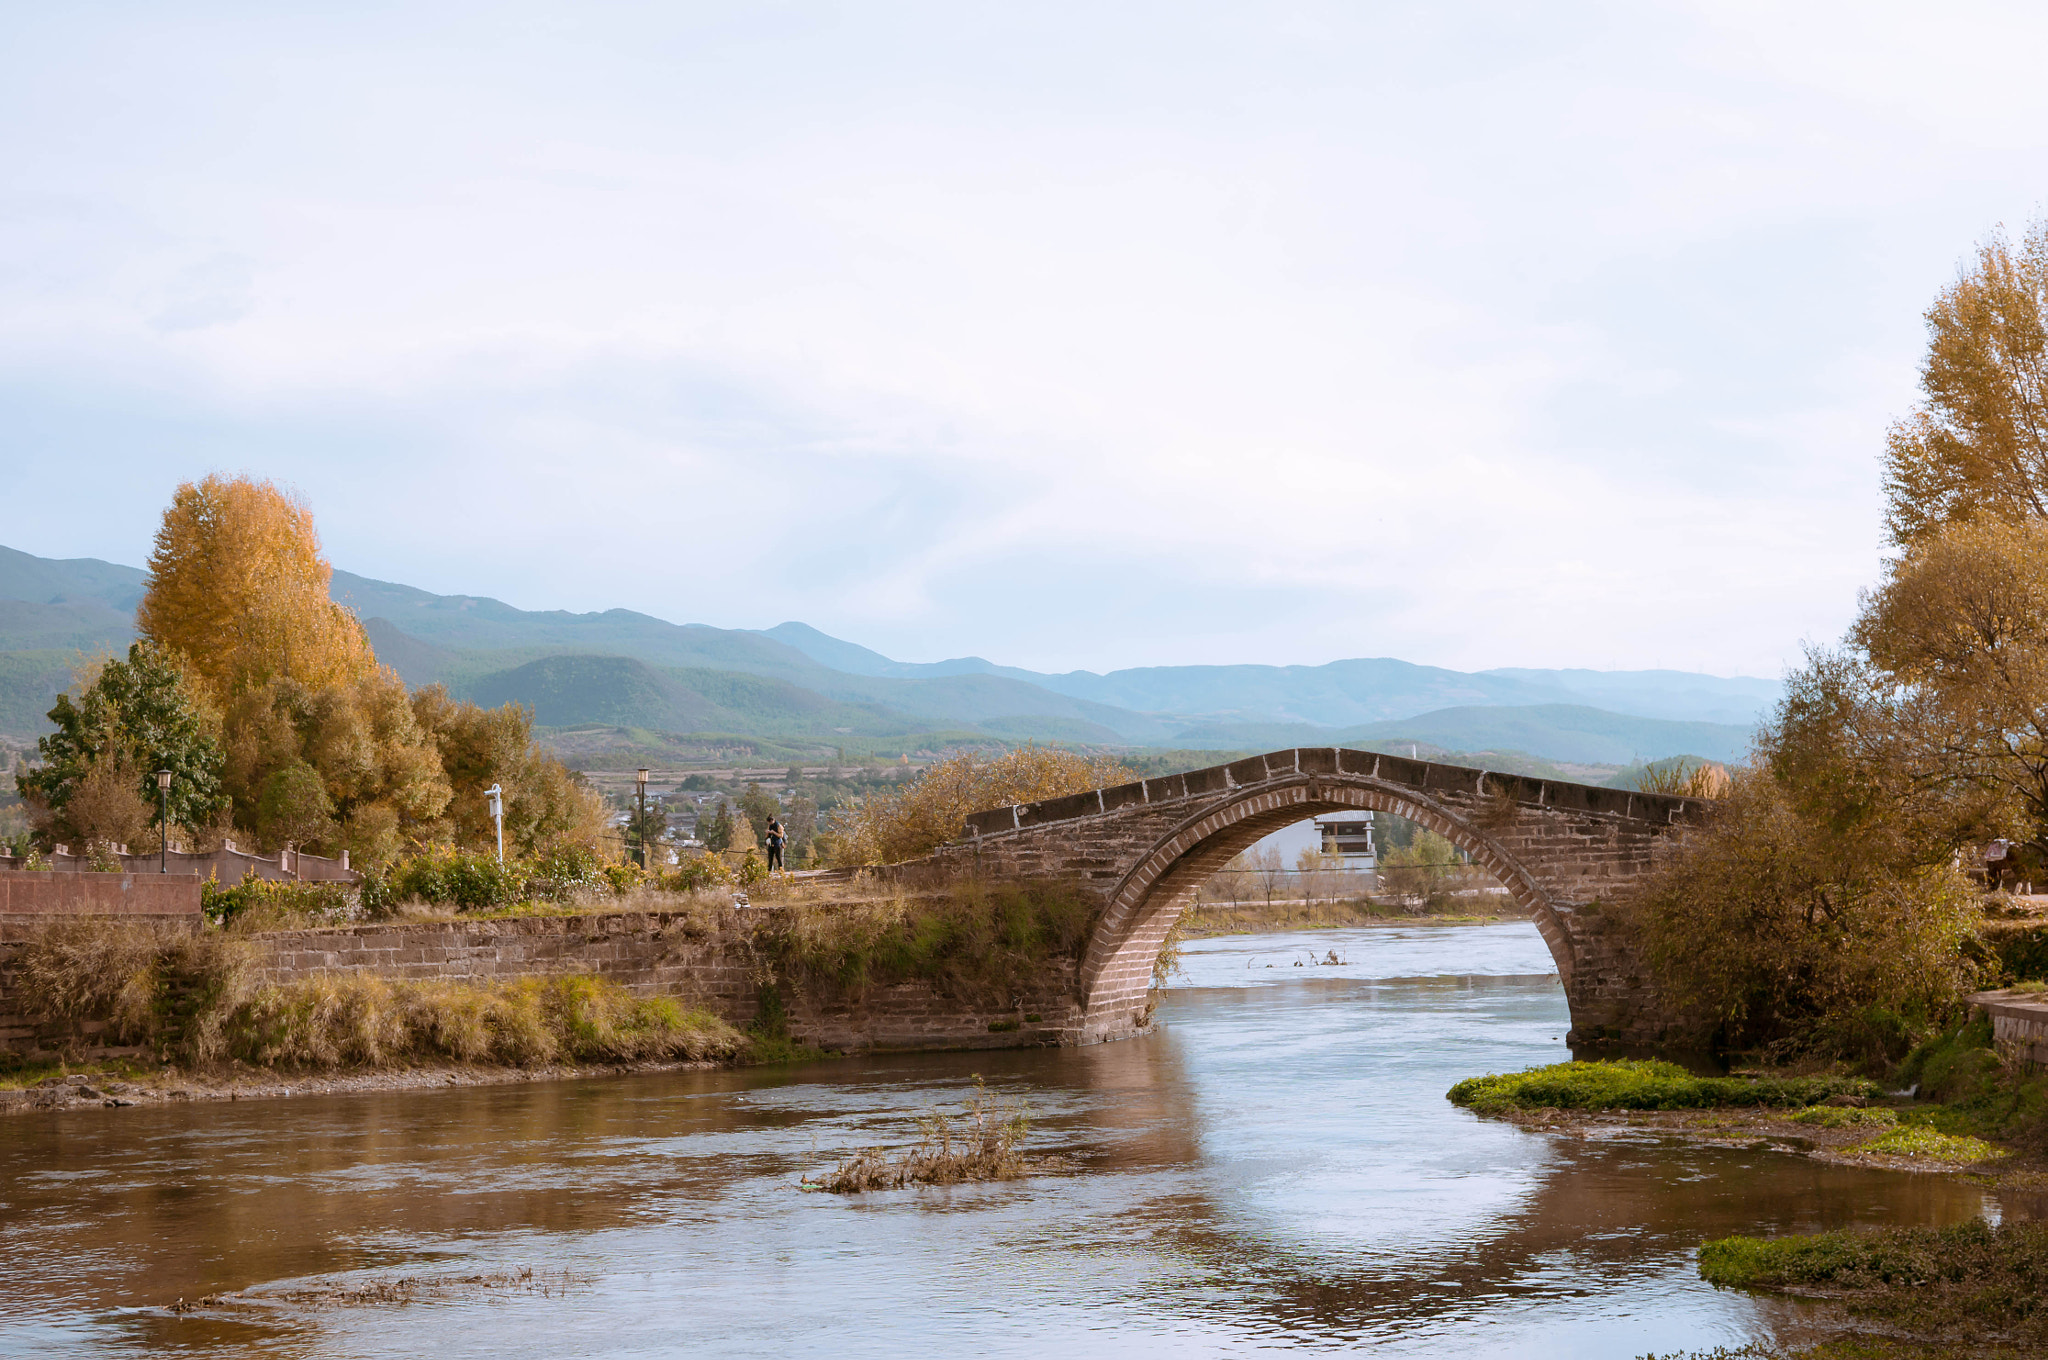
(1276,1168)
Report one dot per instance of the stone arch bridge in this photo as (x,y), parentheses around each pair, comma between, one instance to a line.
(1561,850)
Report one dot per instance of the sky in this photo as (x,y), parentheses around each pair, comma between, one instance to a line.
(1069,335)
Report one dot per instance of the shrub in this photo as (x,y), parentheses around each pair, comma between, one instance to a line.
(1632,1084)
(466,879)
(567,869)
(256,899)
(1784,934)
(624,876)
(2007,950)
(914,820)
(697,872)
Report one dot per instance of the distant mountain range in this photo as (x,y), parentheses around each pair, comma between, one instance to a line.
(795,687)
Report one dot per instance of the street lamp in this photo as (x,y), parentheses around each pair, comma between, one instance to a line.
(163,821)
(641,780)
(497,797)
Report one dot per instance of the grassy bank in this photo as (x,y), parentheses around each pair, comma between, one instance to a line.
(1629,1084)
(1970,1283)
(189,998)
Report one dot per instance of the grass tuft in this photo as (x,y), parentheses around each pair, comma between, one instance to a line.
(368,1022)
(980,1144)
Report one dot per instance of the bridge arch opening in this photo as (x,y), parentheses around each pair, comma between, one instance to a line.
(1117,973)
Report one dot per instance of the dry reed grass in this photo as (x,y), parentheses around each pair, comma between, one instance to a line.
(168,988)
(365,1021)
(190,996)
(979,1144)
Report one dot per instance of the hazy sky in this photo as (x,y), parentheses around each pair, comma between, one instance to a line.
(1086,335)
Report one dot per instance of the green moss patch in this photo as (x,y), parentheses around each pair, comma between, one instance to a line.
(1918,1140)
(1970,1281)
(1845,1117)
(1642,1084)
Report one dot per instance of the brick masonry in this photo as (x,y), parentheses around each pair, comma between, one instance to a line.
(1565,852)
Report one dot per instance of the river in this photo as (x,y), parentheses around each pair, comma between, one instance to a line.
(1276,1168)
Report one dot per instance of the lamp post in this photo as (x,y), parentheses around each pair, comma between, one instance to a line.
(640,779)
(497,797)
(163,821)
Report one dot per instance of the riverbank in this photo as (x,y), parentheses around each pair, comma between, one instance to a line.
(121,1085)
(1211,919)
(1831,1118)
(1777,1131)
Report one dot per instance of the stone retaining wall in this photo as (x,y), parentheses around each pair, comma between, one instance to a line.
(647,953)
(658,954)
(2019,1019)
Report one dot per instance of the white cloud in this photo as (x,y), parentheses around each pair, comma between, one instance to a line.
(1071,336)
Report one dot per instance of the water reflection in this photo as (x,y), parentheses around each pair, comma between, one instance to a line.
(1276,1166)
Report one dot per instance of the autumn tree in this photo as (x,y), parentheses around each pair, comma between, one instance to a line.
(1978,444)
(545,803)
(97,779)
(925,813)
(238,588)
(1821,908)
(322,747)
(379,768)
(759,807)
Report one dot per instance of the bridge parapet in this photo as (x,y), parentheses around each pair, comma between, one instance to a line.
(1422,775)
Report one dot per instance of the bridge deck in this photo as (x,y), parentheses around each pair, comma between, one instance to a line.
(1422,775)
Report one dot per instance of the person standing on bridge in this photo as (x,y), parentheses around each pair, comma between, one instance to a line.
(774,839)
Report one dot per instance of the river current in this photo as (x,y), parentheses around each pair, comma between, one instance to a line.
(1276,1169)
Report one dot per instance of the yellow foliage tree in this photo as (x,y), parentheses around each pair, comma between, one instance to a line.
(323,747)
(914,820)
(1978,444)
(239,590)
